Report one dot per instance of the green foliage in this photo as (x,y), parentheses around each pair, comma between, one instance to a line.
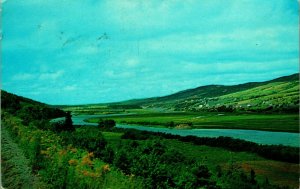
(68,122)
(66,125)
(89,139)
(28,110)
(53,158)
(58,164)
(106,124)
(161,167)
(236,178)
(108,155)
(124,106)
(10,102)
(216,157)
(15,167)
(35,156)
(70,160)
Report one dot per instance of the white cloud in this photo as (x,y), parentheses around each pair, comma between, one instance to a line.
(119,75)
(42,76)
(23,77)
(51,75)
(132,62)
(70,88)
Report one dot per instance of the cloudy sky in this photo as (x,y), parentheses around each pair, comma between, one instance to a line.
(74,52)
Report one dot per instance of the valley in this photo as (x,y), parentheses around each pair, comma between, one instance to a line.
(150,143)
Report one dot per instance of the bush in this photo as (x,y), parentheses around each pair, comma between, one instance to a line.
(90,139)
(106,124)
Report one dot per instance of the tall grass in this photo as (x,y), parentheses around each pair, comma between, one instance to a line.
(15,167)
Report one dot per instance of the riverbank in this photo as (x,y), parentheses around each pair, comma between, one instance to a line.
(209,120)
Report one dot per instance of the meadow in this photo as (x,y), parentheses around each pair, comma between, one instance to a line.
(206,120)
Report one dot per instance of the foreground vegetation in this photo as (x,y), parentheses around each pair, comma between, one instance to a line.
(91,158)
(58,164)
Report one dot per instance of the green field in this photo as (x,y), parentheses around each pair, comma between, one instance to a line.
(277,172)
(268,122)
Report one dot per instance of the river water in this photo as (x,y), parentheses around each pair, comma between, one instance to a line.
(260,137)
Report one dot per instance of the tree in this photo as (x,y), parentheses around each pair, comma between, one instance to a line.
(252,177)
(106,124)
(66,125)
(68,122)
(171,124)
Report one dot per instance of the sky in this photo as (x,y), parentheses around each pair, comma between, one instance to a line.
(77,52)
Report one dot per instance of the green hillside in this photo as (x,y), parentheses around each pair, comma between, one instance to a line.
(281,94)
(28,109)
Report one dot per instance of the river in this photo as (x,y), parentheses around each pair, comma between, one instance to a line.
(260,137)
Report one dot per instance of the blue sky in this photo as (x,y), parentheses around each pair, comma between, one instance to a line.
(75,52)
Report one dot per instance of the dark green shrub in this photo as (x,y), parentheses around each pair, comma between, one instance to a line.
(90,139)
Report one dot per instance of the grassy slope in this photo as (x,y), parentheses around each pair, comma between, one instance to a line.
(210,91)
(264,96)
(278,172)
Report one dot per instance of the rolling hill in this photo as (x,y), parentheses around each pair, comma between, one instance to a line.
(280,94)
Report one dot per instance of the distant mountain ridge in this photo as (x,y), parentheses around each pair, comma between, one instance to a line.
(212,97)
(217,90)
